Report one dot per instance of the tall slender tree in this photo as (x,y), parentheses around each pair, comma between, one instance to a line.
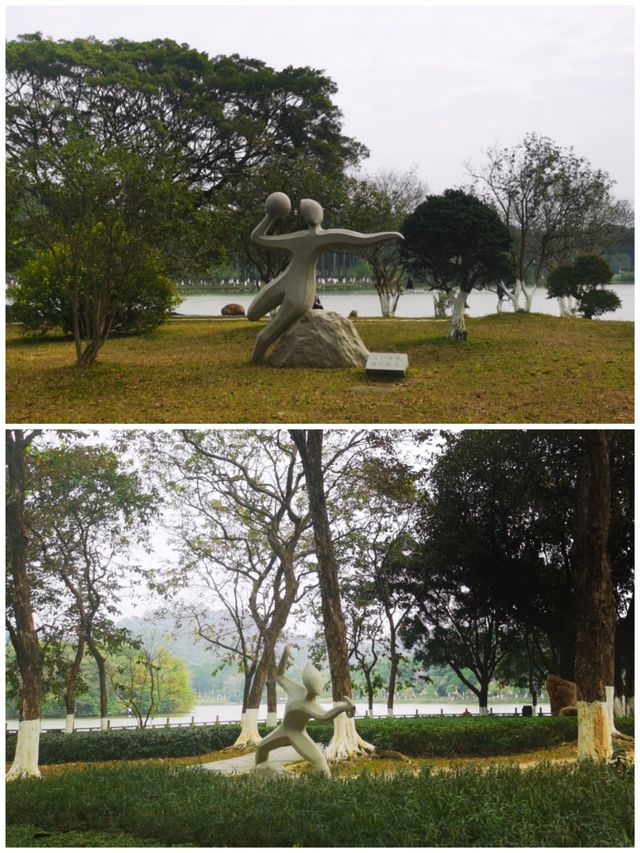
(346,740)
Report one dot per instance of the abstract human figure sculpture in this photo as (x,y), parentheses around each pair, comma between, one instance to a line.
(300,708)
(294,290)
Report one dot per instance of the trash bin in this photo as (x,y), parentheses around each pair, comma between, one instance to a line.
(527,710)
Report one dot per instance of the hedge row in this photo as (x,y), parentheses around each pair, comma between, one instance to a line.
(59,748)
(547,806)
(439,737)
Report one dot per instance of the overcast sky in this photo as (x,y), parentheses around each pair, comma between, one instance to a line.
(431,86)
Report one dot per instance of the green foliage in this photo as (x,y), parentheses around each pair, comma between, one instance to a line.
(141,297)
(456,240)
(128,744)
(447,737)
(546,806)
(437,737)
(584,281)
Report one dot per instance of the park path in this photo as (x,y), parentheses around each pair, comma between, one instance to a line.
(245,763)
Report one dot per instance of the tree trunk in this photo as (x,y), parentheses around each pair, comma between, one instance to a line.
(442,301)
(23,633)
(70,692)
(595,603)
(483,699)
(102,683)
(272,695)
(388,302)
(393,670)
(458,329)
(345,741)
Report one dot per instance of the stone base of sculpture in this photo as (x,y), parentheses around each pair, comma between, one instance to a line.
(320,339)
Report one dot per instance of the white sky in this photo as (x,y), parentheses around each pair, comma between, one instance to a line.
(431,86)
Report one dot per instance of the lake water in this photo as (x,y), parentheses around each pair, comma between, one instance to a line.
(230,713)
(416,304)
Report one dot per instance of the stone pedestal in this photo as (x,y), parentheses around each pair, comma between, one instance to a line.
(320,339)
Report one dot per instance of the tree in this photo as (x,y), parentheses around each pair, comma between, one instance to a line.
(103,220)
(20,620)
(148,681)
(217,117)
(380,202)
(456,240)
(595,602)
(86,509)
(582,284)
(554,202)
(244,537)
(346,740)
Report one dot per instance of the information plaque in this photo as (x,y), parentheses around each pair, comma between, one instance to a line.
(387,365)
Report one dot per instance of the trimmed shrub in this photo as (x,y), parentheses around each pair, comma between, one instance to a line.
(439,737)
(585,805)
(59,748)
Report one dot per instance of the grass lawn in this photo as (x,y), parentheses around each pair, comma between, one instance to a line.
(515,368)
(477,805)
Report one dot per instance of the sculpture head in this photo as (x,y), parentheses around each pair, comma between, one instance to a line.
(312,679)
(311,211)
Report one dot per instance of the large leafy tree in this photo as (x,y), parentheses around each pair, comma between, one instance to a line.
(217,116)
(454,240)
(497,518)
(85,511)
(127,161)
(20,621)
(555,203)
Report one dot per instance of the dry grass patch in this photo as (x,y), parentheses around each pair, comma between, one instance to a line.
(513,369)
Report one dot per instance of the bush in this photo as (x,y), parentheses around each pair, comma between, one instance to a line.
(122,744)
(444,737)
(556,806)
(140,299)
(426,736)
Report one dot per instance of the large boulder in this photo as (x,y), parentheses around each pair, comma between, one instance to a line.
(562,695)
(320,339)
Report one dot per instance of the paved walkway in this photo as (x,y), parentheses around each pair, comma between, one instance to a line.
(245,763)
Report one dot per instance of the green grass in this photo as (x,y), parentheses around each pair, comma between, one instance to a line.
(515,368)
(545,806)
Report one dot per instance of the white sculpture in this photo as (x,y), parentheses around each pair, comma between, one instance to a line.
(300,708)
(294,290)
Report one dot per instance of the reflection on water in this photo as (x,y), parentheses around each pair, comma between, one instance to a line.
(416,304)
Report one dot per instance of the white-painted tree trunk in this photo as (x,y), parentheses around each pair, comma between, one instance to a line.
(594,734)
(389,711)
(104,724)
(346,741)
(623,707)
(249,733)
(517,295)
(387,303)
(458,330)
(69,724)
(529,293)
(442,302)
(25,763)
(483,710)
(272,719)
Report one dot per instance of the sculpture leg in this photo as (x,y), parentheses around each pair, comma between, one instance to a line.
(265,300)
(271,741)
(310,751)
(287,315)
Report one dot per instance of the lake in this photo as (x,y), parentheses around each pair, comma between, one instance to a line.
(230,713)
(416,304)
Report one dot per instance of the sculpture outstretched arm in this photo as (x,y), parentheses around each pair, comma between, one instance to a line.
(344,237)
(341,708)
